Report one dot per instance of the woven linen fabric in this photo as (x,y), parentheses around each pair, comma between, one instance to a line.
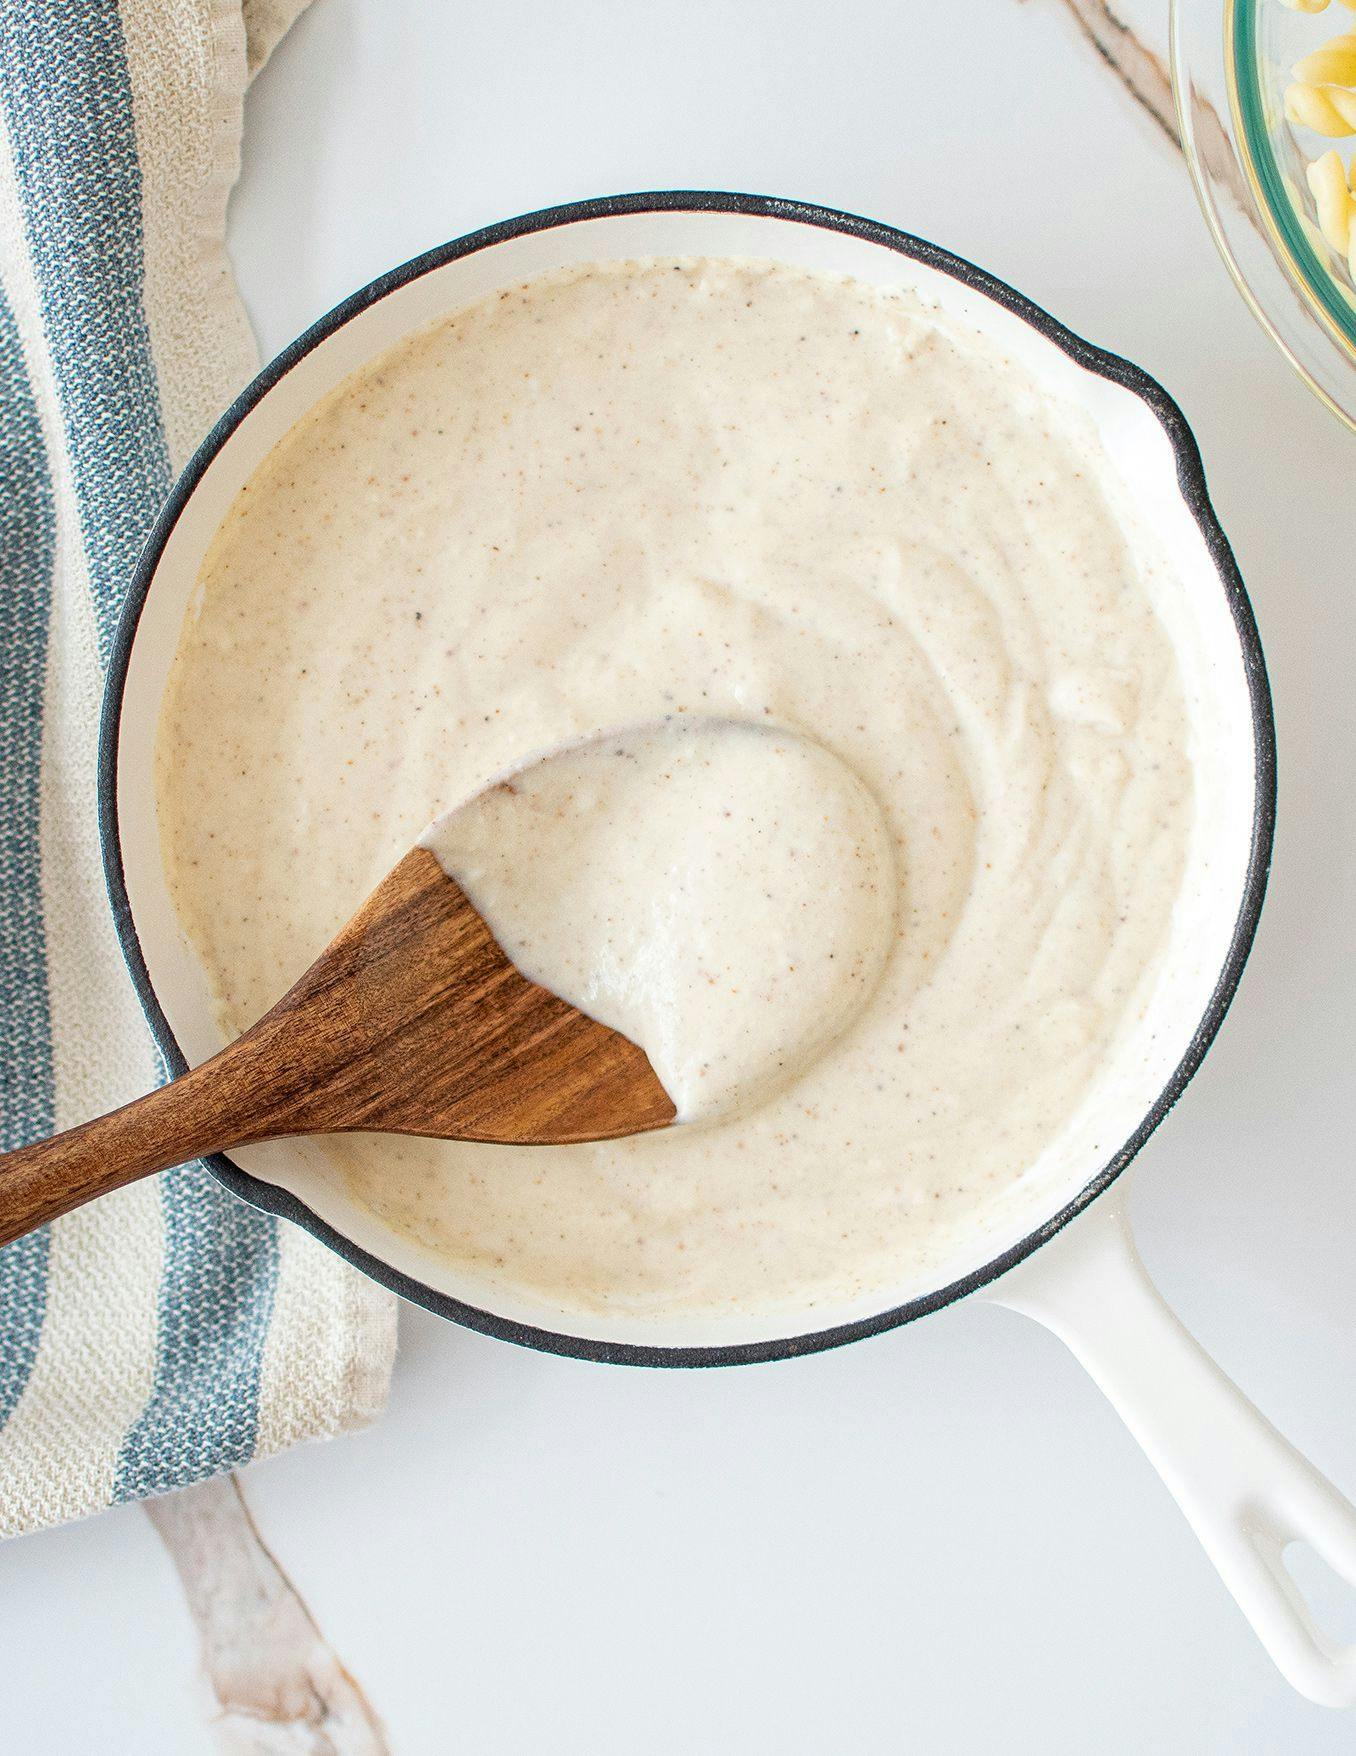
(167,1332)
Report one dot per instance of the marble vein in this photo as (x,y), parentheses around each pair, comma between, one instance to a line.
(279,1688)
(1143,73)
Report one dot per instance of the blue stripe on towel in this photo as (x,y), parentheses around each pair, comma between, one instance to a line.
(216,1299)
(27,556)
(68,104)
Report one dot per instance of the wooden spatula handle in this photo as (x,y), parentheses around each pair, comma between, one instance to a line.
(168,1127)
(272,1081)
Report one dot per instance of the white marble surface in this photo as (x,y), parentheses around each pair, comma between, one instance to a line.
(940,1541)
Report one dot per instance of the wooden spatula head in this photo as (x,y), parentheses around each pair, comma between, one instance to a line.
(413,1021)
(422,1025)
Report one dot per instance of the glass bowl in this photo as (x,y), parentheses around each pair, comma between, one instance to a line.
(1231,62)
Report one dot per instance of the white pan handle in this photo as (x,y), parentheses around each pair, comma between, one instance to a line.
(1245,1490)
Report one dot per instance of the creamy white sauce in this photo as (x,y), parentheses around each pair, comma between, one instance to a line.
(745,492)
(722,893)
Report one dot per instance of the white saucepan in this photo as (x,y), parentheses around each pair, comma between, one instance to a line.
(1247,1492)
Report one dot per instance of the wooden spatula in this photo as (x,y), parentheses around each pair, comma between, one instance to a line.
(414,1021)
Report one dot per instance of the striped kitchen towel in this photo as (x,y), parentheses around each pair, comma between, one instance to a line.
(167,1332)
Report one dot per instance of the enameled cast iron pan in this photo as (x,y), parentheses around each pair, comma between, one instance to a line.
(1246,1491)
